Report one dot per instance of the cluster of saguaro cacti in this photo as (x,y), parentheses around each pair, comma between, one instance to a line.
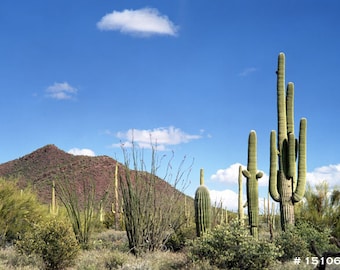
(202,207)
(252,175)
(284,186)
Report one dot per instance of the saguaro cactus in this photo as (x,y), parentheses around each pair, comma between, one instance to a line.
(252,175)
(202,207)
(53,205)
(115,204)
(240,197)
(284,186)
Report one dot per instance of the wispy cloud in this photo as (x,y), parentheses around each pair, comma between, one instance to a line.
(247,71)
(141,22)
(61,91)
(159,137)
(81,152)
(230,175)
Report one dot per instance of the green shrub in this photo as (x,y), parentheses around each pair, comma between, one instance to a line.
(19,210)
(115,260)
(296,240)
(232,247)
(292,244)
(53,241)
(177,241)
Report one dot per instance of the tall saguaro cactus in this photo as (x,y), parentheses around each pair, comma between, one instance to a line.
(252,175)
(240,197)
(285,186)
(202,207)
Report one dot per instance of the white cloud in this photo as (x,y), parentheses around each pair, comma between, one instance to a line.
(143,22)
(159,137)
(247,71)
(81,152)
(230,175)
(330,173)
(61,91)
(228,198)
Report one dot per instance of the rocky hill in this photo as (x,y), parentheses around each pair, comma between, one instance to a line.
(39,168)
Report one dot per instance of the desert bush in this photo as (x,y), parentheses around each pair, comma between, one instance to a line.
(321,207)
(53,241)
(296,240)
(10,259)
(292,244)
(19,211)
(115,260)
(178,240)
(232,247)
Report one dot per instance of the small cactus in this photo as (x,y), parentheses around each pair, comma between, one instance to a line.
(202,207)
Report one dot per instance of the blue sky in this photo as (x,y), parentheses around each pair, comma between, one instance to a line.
(197,76)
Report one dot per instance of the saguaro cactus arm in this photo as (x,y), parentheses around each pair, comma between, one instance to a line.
(302,166)
(273,177)
(240,197)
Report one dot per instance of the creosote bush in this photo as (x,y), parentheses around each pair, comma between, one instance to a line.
(296,240)
(53,241)
(232,247)
(19,210)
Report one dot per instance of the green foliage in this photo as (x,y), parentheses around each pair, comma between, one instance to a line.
(19,211)
(115,260)
(232,247)
(53,241)
(296,241)
(179,239)
(202,205)
(322,207)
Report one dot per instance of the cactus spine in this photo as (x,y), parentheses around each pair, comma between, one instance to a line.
(284,186)
(240,197)
(252,175)
(202,207)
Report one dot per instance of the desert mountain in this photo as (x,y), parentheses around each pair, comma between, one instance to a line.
(39,168)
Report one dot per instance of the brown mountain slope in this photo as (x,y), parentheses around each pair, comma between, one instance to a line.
(39,168)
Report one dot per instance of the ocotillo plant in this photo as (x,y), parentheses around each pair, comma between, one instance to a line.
(284,186)
(252,175)
(202,207)
(240,197)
